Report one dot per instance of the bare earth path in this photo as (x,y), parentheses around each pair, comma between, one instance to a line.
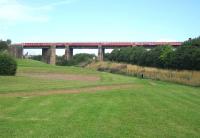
(71,91)
(60,76)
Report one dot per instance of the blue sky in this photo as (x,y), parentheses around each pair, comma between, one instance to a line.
(99,20)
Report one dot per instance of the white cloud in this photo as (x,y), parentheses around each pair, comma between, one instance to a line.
(13,10)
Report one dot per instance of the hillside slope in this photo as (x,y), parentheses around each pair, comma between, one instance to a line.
(52,101)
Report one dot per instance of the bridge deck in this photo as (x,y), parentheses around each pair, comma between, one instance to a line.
(96,44)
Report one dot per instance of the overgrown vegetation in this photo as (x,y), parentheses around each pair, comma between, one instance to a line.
(3,46)
(77,60)
(36,57)
(183,77)
(8,65)
(186,56)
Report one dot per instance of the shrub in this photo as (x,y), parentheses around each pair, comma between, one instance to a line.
(8,65)
(3,46)
(106,56)
(36,57)
(78,60)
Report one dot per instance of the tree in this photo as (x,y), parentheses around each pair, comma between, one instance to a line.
(153,57)
(124,55)
(3,46)
(143,58)
(165,54)
(114,55)
(8,41)
(186,58)
(192,42)
(136,53)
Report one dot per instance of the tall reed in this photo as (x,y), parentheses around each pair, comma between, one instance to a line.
(183,77)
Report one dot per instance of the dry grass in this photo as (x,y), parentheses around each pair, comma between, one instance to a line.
(184,77)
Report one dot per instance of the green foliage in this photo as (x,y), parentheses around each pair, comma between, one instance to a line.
(129,55)
(114,56)
(165,52)
(142,59)
(124,53)
(37,57)
(192,42)
(3,46)
(8,41)
(106,56)
(135,54)
(8,65)
(78,59)
(158,56)
(184,57)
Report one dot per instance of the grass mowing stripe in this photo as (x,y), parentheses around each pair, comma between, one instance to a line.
(155,109)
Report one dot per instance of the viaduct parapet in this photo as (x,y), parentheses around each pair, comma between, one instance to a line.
(49,49)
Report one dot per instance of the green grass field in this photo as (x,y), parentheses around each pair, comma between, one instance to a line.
(79,102)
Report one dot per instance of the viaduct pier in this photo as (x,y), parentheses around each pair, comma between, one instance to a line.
(49,49)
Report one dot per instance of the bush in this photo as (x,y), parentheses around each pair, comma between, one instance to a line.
(106,56)
(36,57)
(3,46)
(78,60)
(8,65)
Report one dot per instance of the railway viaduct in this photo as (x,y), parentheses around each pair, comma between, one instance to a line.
(49,49)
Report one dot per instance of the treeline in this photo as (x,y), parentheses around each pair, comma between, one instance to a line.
(186,56)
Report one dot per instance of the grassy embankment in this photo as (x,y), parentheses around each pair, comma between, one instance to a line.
(146,109)
(183,77)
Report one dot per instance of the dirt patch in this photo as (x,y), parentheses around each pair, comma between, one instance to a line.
(57,76)
(71,91)
(152,83)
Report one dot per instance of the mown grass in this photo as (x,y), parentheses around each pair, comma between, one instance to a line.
(153,109)
(25,83)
